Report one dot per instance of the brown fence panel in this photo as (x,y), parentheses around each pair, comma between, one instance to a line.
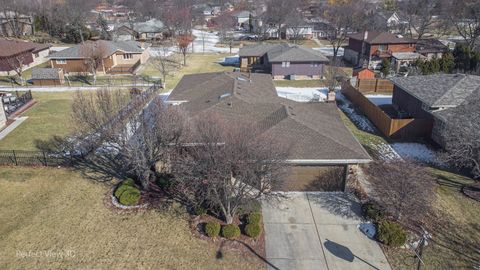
(378,117)
(392,128)
(375,85)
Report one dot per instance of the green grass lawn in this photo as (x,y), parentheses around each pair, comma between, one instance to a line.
(57,210)
(49,117)
(196,63)
(456,233)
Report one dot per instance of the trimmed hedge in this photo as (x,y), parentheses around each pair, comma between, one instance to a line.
(131,196)
(120,189)
(200,211)
(391,234)
(129,182)
(231,231)
(253,230)
(212,229)
(254,218)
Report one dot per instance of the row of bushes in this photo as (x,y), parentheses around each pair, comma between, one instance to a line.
(388,232)
(127,193)
(232,231)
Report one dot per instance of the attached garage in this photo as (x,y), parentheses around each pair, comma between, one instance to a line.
(315,178)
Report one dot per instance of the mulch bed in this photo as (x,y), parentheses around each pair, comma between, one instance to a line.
(244,244)
(472,191)
(152,199)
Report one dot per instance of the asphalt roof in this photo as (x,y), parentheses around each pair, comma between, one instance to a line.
(13,47)
(443,90)
(45,73)
(284,53)
(406,55)
(109,46)
(431,46)
(315,130)
(375,37)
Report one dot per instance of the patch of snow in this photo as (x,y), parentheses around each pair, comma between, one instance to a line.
(302,94)
(359,120)
(380,99)
(209,40)
(368,229)
(328,51)
(417,152)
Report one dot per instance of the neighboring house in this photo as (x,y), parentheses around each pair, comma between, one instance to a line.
(121,57)
(370,48)
(434,97)
(389,21)
(150,30)
(47,76)
(242,18)
(299,32)
(11,22)
(14,54)
(315,132)
(283,61)
(431,48)
(322,30)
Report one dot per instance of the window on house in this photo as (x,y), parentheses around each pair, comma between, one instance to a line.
(61,61)
(127,56)
(382,47)
(313,64)
(285,64)
(37,55)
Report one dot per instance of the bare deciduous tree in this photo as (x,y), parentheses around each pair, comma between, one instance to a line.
(183,42)
(404,189)
(136,133)
(465,16)
(17,64)
(294,25)
(420,15)
(94,53)
(462,137)
(343,17)
(229,165)
(164,63)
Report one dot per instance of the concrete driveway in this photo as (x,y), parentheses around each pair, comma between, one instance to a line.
(315,230)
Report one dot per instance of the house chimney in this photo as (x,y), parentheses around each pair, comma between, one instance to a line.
(365,35)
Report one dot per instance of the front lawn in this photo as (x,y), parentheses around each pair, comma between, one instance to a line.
(49,117)
(196,63)
(456,235)
(47,211)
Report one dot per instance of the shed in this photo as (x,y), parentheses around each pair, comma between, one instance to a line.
(47,76)
(363,73)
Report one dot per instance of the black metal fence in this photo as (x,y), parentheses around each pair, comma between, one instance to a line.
(32,158)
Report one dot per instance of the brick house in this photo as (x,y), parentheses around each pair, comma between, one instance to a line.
(122,57)
(434,97)
(370,48)
(283,61)
(14,53)
(320,142)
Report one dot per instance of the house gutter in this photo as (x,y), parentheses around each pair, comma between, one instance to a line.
(327,161)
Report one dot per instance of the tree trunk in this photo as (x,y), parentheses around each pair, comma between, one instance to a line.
(228,218)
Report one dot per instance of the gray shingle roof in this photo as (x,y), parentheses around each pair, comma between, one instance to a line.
(444,90)
(109,46)
(314,130)
(45,74)
(375,37)
(283,53)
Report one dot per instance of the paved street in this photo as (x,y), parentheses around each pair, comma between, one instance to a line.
(317,231)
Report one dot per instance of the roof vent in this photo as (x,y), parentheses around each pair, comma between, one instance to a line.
(242,79)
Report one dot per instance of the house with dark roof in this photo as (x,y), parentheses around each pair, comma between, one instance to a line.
(148,30)
(390,21)
(317,135)
(434,97)
(121,57)
(369,48)
(15,54)
(283,61)
(431,48)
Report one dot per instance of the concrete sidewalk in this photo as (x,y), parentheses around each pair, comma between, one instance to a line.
(318,230)
(12,126)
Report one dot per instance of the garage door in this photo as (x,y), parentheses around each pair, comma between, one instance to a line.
(314,178)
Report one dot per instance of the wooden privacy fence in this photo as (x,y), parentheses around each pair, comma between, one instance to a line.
(392,128)
(32,158)
(374,85)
